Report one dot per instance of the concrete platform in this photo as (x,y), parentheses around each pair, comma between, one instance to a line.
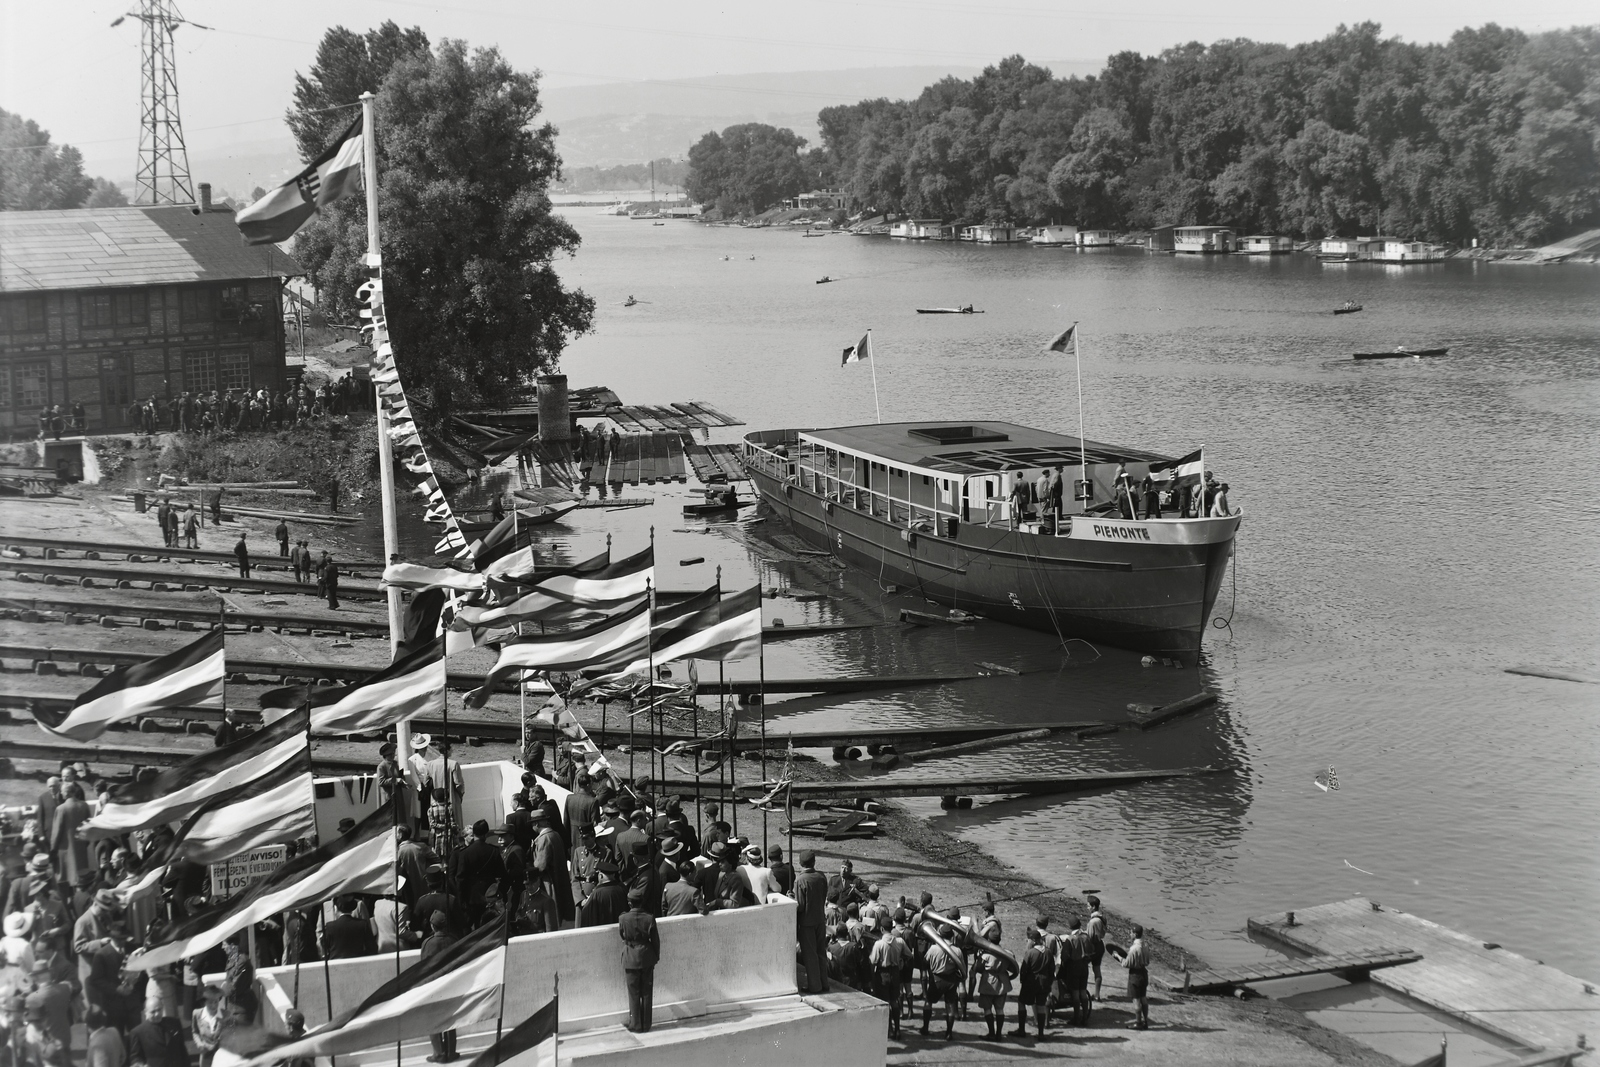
(1520,999)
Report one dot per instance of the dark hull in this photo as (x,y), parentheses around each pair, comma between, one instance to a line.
(1346,311)
(1403,355)
(1153,598)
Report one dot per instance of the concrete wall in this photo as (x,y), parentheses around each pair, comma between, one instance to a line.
(706,960)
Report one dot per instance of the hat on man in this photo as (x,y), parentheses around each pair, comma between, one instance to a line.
(41,965)
(19,924)
(39,863)
(775,853)
(636,894)
(607,867)
(421,741)
(86,879)
(38,885)
(808,859)
(107,899)
(606,831)
(346,825)
(671,848)
(717,849)
(625,804)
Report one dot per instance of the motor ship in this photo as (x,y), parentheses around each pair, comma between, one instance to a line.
(926,506)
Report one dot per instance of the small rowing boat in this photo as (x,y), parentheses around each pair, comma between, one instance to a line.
(717,509)
(1403,353)
(956,617)
(1349,307)
(948,311)
(824,280)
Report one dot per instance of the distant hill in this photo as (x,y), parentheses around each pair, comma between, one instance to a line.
(604,125)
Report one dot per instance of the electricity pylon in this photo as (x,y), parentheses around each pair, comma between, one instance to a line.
(163,171)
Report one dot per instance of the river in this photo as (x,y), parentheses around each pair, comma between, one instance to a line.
(1411,528)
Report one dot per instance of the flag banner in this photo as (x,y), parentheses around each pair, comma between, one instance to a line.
(1062,342)
(528,1035)
(414,684)
(267,813)
(618,638)
(496,543)
(416,576)
(621,580)
(460,986)
(362,861)
(191,677)
(537,606)
(556,714)
(736,635)
(861,350)
(334,174)
(512,565)
(176,793)
(1185,471)
(671,625)
(423,620)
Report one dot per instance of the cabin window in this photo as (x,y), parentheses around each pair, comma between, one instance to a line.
(926,480)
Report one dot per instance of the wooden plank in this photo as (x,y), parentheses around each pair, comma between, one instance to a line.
(700,459)
(845,825)
(1520,999)
(1222,979)
(677,469)
(126,607)
(716,413)
(1147,716)
(980,745)
(179,579)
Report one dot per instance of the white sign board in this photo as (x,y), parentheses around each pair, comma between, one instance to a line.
(235,875)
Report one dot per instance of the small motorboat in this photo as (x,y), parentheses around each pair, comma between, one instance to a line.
(718,507)
(968,310)
(1349,307)
(630,302)
(658,224)
(1404,353)
(824,280)
(956,617)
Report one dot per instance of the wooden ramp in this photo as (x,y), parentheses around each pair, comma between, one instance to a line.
(716,462)
(1501,992)
(1352,965)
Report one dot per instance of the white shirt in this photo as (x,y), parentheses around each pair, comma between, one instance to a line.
(762,884)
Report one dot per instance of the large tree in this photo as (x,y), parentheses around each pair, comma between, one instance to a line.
(746,169)
(36,175)
(474,303)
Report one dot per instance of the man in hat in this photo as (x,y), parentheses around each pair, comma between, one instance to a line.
(782,873)
(732,888)
(631,838)
(681,895)
(349,935)
(416,771)
(241,552)
(478,866)
(581,809)
(811,901)
(18,893)
(93,930)
(439,941)
(448,785)
(608,901)
(548,864)
(52,1000)
(1033,993)
(436,901)
(412,859)
(281,531)
(845,888)
(519,821)
(641,950)
(16,947)
(83,890)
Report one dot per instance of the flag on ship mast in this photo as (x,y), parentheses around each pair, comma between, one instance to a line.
(1062,341)
(361,861)
(861,350)
(188,678)
(461,985)
(178,792)
(1185,471)
(334,174)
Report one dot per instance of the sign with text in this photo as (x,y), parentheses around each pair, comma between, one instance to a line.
(241,872)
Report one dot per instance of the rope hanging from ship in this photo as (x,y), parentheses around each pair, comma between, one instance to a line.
(1233,569)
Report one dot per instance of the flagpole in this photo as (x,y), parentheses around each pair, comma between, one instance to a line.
(650,683)
(391,528)
(1083,451)
(555,1047)
(522,686)
(762,697)
(872,358)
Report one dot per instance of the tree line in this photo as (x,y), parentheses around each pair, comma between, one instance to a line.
(669,174)
(1491,135)
(39,175)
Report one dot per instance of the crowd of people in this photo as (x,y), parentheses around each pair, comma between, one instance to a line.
(1040,498)
(602,857)
(185,522)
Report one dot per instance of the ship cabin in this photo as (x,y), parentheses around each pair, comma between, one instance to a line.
(933,477)
(1408,252)
(1160,239)
(1202,239)
(1055,235)
(990,233)
(1097,238)
(1265,244)
(918,229)
(1351,248)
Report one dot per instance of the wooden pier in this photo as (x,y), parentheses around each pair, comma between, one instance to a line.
(1477,982)
(1352,966)
(1034,785)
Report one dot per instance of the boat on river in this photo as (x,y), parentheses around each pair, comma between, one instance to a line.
(1349,307)
(1404,353)
(926,506)
(949,311)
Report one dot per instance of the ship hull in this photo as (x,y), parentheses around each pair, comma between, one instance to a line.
(1149,587)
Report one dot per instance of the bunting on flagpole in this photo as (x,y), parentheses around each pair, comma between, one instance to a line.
(460,986)
(176,793)
(361,861)
(190,677)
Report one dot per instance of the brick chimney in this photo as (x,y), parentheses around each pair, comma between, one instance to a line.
(205,196)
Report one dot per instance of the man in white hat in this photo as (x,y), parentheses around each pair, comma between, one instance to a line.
(762,883)
(16,950)
(416,772)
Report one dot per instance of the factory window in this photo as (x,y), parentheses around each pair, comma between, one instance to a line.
(30,384)
(196,306)
(199,371)
(94,309)
(132,308)
(233,369)
(23,314)
(230,303)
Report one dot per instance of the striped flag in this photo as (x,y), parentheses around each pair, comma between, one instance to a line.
(528,1035)
(1062,342)
(620,638)
(361,861)
(410,686)
(176,793)
(416,576)
(702,627)
(1185,471)
(191,677)
(861,350)
(266,813)
(461,985)
(334,174)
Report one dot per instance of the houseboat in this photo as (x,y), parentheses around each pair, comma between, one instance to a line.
(990,233)
(1202,239)
(1264,244)
(927,505)
(1350,249)
(1055,235)
(1097,238)
(1160,239)
(1408,252)
(919,229)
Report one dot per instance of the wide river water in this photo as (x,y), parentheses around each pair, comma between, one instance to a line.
(1412,528)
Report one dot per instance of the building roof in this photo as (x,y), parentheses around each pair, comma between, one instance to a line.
(124,246)
(985,446)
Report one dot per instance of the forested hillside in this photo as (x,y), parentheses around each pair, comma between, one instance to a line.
(1494,135)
